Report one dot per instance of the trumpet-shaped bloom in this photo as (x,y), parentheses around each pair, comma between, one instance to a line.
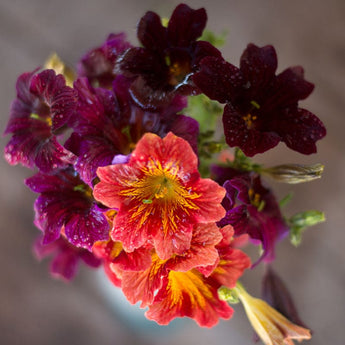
(43,105)
(261,108)
(272,327)
(163,66)
(159,196)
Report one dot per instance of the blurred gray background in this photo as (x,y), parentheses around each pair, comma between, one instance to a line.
(36,309)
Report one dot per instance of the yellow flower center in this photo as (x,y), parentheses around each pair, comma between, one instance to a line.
(249,120)
(160,192)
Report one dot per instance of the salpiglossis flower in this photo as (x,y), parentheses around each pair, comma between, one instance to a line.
(66,206)
(163,66)
(43,106)
(159,195)
(261,108)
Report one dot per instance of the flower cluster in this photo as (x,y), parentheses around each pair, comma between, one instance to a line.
(129,178)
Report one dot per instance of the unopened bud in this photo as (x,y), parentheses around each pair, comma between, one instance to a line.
(294,173)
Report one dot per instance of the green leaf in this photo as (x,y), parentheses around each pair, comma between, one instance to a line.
(301,221)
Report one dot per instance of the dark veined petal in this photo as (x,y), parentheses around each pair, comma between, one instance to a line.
(258,66)
(186,25)
(65,204)
(151,33)
(300,129)
(218,79)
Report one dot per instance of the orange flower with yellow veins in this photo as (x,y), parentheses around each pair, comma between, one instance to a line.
(271,326)
(159,195)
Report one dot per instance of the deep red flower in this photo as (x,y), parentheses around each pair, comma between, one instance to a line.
(261,108)
(159,195)
(163,66)
(43,106)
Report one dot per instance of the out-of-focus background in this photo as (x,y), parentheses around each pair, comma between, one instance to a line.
(36,309)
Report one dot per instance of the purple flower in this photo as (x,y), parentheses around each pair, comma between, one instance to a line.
(66,257)
(108,123)
(66,205)
(252,209)
(43,106)
(163,66)
(261,108)
(98,64)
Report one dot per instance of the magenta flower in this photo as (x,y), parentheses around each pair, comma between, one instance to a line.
(252,209)
(261,108)
(66,205)
(43,106)
(98,64)
(163,66)
(65,257)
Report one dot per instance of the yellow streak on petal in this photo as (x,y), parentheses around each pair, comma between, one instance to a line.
(190,283)
(159,192)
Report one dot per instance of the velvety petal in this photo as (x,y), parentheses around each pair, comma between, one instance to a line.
(258,66)
(43,103)
(52,90)
(142,285)
(202,251)
(188,294)
(250,140)
(111,251)
(186,25)
(151,33)
(65,202)
(231,266)
(290,87)
(202,49)
(300,130)
(218,79)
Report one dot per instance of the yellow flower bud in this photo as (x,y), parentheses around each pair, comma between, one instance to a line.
(271,326)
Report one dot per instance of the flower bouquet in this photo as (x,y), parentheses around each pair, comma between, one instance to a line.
(135,171)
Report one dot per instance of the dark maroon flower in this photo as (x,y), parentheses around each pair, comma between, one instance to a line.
(66,205)
(276,294)
(66,257)
(98,64)
(252,209)
(43,106)
(108,123)
(163,66)
(262,108)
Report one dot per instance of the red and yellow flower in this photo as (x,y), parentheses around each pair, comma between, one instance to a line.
(159,195)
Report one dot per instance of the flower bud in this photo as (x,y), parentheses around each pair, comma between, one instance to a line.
(54,62)
(294,173)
